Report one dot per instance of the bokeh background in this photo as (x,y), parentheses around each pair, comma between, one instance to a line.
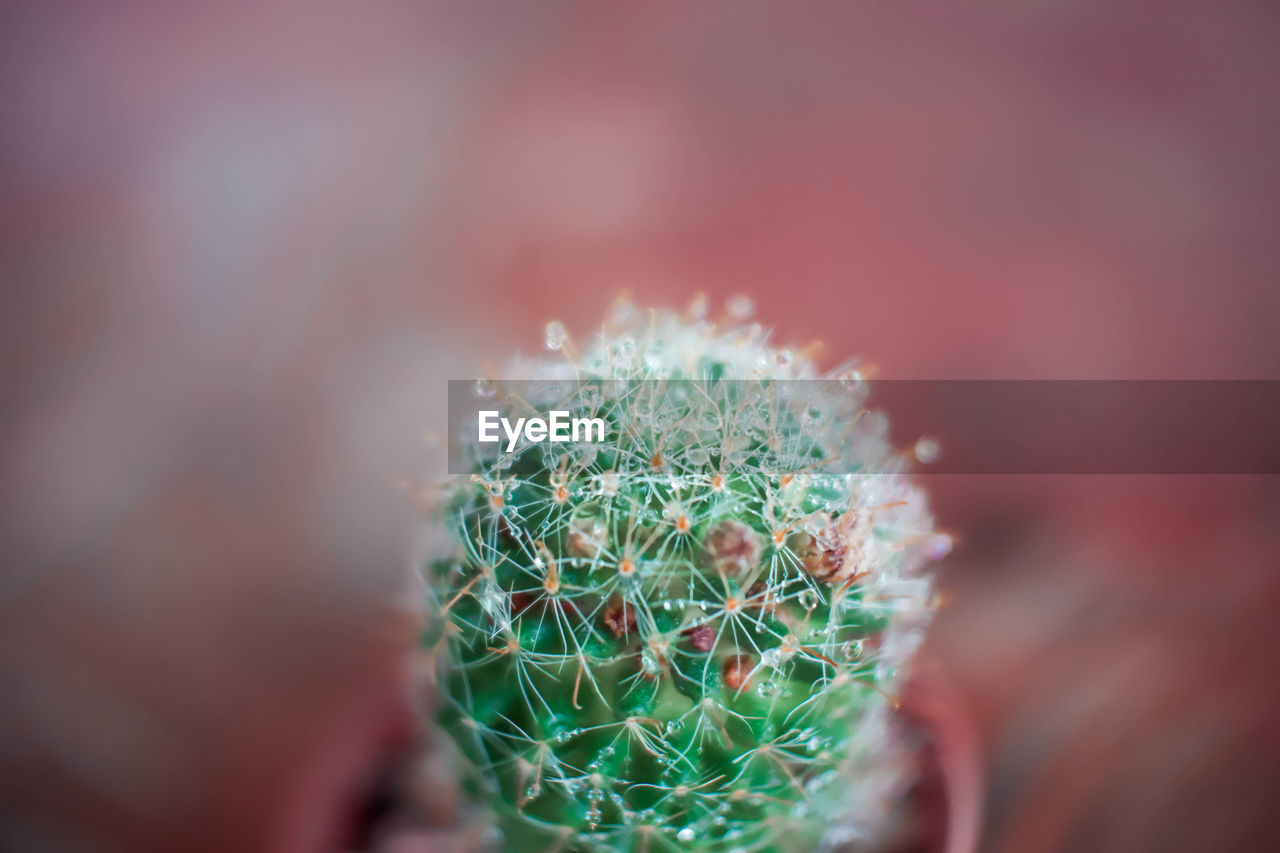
(243,245)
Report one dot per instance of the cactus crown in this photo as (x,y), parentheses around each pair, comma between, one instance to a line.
(684,638)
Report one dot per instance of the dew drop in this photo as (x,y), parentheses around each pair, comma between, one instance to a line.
(740,306)
(556,335)
(939,546)
(698,307)
(927,450)
(808,599)
(622,311)
(851,379)
(685,835)
(484,388)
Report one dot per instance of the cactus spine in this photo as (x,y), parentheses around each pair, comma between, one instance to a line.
(685,638)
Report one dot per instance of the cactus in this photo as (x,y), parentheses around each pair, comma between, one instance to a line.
(687,637)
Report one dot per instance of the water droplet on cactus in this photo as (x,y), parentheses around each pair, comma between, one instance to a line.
(851,380)
(939,546)
(685,835)
(698,457)
(808,599)
(621,311)
(674,726)
(698,307)
(740,306)
(484,388)
(927,450)
(555,336)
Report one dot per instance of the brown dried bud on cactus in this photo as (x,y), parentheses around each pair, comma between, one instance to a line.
(732,547)
(701,637)
(736,671)
(834,554)
(620,617)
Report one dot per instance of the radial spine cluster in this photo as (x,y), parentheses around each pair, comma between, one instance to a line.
(686,637)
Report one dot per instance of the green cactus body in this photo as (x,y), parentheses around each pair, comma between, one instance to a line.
(686,637)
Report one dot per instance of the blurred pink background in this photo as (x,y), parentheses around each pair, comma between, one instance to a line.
(244,247)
